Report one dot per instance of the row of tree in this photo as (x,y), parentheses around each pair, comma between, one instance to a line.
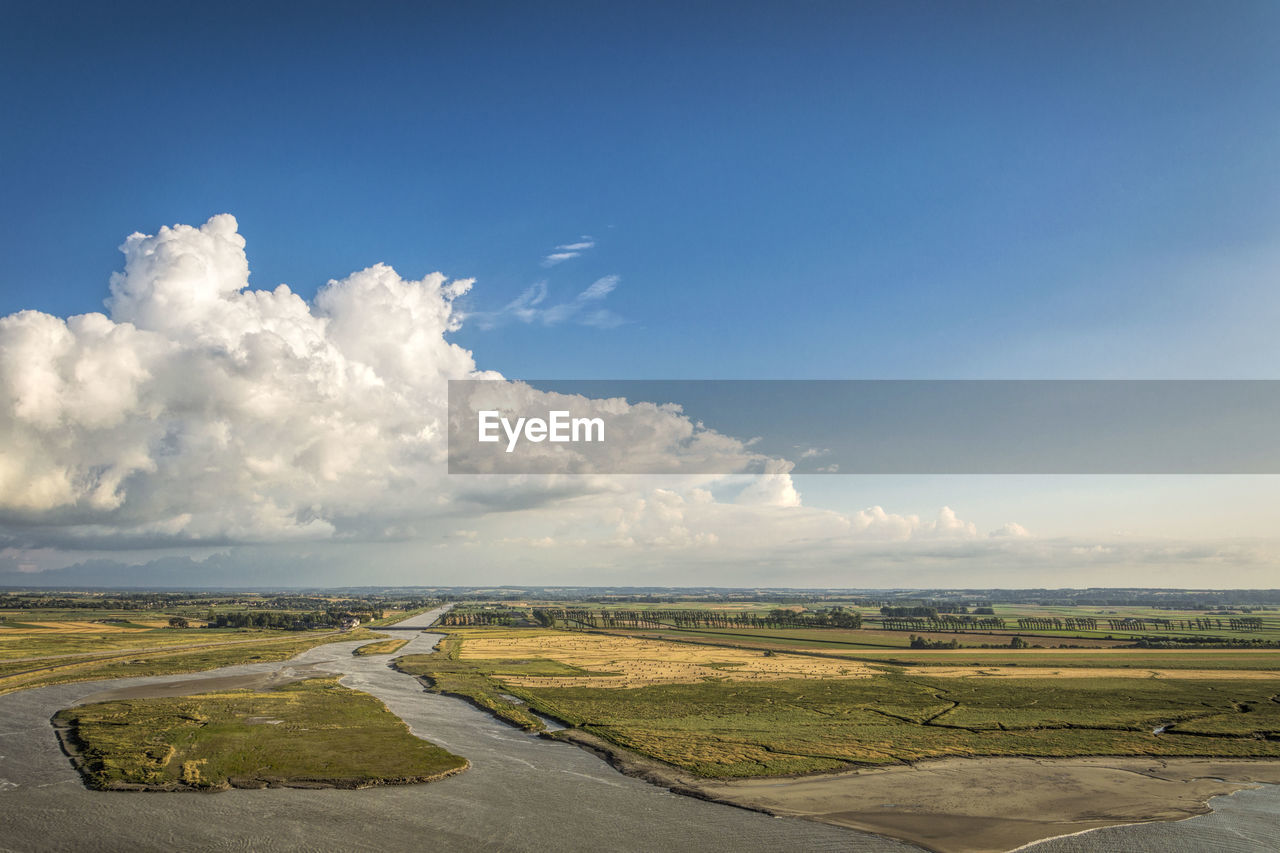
(780,618)
(922,618)
(1069,623)
(329,618)
(464,618)
(926,643)
(946,624)
(1201,623)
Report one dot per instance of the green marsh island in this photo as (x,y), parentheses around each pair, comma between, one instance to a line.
(312,733)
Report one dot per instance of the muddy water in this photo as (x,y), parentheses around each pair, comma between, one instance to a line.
(521,793)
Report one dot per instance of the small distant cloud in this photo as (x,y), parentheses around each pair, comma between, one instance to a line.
(833,468)
(810,452)
(1010,530)
(529,542)
(1092,550)
(602,319)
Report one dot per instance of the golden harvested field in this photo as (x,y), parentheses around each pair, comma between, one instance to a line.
(1088,672)
(639,663)
(614,661)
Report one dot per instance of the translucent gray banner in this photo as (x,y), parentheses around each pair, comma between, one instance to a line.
(864,426)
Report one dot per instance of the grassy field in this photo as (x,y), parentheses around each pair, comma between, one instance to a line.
(726,712)
(53,638)
(312,732)
(1162,659)
(382,647)
(861,639)
(874,633)
(725,729)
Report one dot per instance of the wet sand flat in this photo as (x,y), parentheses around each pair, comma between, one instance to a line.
(998,804)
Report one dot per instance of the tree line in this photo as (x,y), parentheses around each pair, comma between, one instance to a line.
(779,618)
(287,621)
(465,618)
(1069,623)
(946,624)
(1200,623)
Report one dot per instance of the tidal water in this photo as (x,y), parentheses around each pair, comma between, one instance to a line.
(522,793)
(1244,822)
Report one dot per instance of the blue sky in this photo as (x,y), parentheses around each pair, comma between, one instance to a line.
(782,190)
(786,190)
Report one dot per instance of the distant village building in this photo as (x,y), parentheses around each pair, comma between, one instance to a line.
(349,623)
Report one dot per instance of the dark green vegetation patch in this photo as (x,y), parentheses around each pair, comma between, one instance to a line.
(770,728)
(311,733)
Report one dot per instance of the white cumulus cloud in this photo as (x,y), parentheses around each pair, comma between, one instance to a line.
(202,411)
(199,412)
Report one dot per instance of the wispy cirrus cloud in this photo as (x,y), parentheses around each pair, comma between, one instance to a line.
(558,258)
(600,288)
(531,307)
(568,251)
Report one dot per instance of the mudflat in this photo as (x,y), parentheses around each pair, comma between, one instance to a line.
(995,804)
(974,805)
(260,681)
